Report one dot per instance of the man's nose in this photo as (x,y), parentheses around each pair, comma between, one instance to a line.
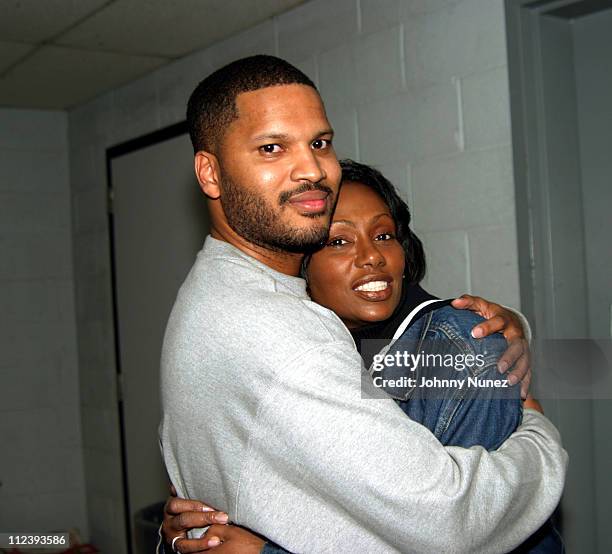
(307,167)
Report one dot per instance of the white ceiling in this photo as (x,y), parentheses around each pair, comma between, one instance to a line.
(59,53)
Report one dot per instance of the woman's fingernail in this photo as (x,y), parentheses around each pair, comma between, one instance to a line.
(221,518)
(207,509)
(503,366)
(214,541)
(512,379)
(477,332)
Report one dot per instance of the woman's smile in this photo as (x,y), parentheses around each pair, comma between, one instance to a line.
(374,288)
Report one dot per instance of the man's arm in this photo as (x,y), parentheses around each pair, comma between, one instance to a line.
(322,453)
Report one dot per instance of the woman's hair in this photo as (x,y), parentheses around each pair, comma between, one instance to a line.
(412,245)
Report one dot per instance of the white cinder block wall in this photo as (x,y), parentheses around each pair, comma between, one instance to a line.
(417,87)
(41,467)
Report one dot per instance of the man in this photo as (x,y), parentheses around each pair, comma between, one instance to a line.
(265,413)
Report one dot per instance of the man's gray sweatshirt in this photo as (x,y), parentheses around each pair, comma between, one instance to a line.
(269,415)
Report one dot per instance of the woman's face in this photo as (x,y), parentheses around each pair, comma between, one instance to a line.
(358,274)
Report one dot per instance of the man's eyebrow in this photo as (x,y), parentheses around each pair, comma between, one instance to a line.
(286,137)
(272,136)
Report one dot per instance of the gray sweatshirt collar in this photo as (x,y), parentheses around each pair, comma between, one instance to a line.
(287,283)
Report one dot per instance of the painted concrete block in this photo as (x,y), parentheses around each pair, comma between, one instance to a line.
(27,170)
(344,123)
(315,27)
(486,108)
(175,82)
(447,263)
(465,190)
(135,109)
(33,129)
(415,125)
(494,264)
(363,70)
(463,38)
(376,15)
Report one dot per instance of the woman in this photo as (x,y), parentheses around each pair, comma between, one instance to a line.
(368,273)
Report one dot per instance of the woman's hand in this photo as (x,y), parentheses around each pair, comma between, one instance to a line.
(502,320)
(182,515)
(233,540)
(531,402)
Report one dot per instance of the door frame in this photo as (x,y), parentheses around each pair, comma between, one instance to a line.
(530,159)
(541,261)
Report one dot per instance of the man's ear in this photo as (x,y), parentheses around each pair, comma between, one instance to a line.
(208,173)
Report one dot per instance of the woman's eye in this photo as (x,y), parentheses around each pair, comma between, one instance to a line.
(319,144)
(385,236)
(270,148)
(337,242)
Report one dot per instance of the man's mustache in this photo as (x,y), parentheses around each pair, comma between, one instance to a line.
(285,196)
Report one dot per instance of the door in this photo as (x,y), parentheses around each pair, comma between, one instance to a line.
(159,222)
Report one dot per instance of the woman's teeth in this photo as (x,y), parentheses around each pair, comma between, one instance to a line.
(373,286)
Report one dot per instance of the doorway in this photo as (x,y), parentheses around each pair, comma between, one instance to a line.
(560,61)
(158,222)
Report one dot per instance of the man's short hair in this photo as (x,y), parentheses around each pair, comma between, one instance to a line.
(212,105)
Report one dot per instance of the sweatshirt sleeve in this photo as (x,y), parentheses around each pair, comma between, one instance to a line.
(331,464)
(524,322)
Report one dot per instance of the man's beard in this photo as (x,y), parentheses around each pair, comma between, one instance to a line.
(253,219)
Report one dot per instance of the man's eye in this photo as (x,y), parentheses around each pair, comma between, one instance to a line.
(337,242)
(319,144)
(270,148)
(385,236)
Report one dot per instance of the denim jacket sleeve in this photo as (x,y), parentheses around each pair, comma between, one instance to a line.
(271,548)
(453,386)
